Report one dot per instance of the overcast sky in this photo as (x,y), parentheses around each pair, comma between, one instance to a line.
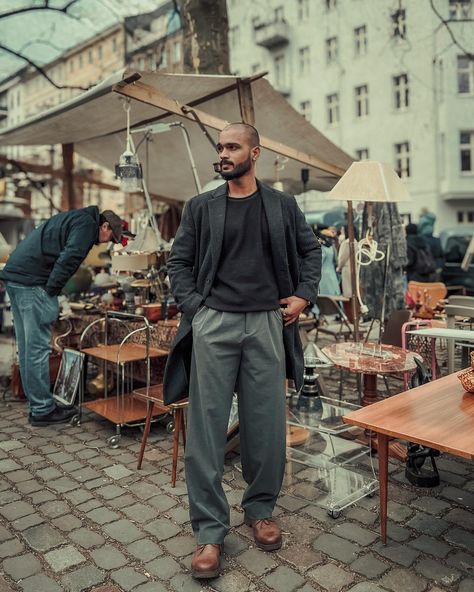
(42,35)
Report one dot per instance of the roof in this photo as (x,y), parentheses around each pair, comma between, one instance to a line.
(95,122)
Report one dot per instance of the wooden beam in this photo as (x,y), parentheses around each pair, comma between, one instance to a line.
(151,96)
(247,111)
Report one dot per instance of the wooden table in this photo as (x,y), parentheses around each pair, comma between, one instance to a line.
(439,415)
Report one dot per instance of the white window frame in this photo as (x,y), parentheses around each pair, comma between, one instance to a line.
(401,92)
(361,94)
(304,60)
(176,52)
(305,109)
(362,154)
(234,36)
(465,69)
(403,160)
(332,108)
(399,24)
(460,10)
(360,40)
(469,148)
(330,4)
(332,49)
(303,10)
(279,64)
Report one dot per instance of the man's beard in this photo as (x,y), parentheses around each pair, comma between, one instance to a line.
(238,171)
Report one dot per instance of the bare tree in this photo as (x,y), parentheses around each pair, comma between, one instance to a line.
(205,31)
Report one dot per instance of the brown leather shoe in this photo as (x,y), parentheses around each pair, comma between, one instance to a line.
(266,532)
(206,561)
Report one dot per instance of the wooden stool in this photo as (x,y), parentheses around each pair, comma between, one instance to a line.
(156,406)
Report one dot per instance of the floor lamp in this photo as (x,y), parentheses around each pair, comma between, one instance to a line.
(369,181)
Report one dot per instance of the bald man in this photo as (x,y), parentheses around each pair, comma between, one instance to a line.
(243,266)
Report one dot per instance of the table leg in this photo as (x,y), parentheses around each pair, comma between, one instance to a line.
(382,445)
(369,389)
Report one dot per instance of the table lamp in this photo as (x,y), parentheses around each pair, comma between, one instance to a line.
(370,181)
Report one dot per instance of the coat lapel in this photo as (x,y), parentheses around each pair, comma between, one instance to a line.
(217,208)
(273,211)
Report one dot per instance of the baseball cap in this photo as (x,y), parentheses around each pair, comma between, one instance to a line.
(118,226)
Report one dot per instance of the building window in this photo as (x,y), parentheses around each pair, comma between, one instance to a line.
(89,53)
(71,65)
(80,61)
(465,75)
(460,9)
(401,91)
(304,60)
(360,40)
(332,104)
(234,36)
(99,52)
(331,4)
(402,160)
(279,14)
(466,216)
(280,72)
(399,24)
(176,55)
(114,44)
(331,49)
(466,141)
(163,58)
(362,154)
(303,10)
(305,109)
(362,100)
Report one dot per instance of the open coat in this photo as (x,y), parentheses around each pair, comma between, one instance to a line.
(194,261)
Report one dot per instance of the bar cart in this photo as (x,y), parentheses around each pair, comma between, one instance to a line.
(123,407)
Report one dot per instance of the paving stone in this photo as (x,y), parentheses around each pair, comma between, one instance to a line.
(405,580)
(48,474)
(284,579)
(54,508)
(22,566)
(163,503)
(151,587)
(86,538)
(107,557)
(337,548)
(256,561)
(62,485)
(369,566)
(128,578)
(461,517)
(82,579)
(163,567)
(307,588)
(460,496)
(43,537)
(16,510)
(397,552)
(122,501)
(86,474)
(300,557)
(60,458)
(111,491)
(8,465)
(354,532)
(72,466)
(398,533)
(235,544)
(232,582)
(361,515)
(87,453)
(144,549)
(460,538)
(40,583)
(179,490)
(185,583)
(27,522)
(303,530)
(124,531)
(140,513)
(462,561)
(8,496)
(11,548)
(430,504)
(118,472)
(95,483)
(331,577)
(28,487)
(19,476)
(67,523)
(102,515)
(144,490)
(428,524)
(435,570)
(162,528)
(398,512)
(431,546)
(466,586)
(290,503)
(11,445)
(89,505)
(452,479)
(366,587)
(32,459)
(63,558)
(5,534)
(78,496)
(180,546)
(107,588)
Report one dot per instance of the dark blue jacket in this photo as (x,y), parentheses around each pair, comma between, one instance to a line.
(52,253)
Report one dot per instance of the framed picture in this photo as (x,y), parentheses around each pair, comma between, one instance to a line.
(69,376)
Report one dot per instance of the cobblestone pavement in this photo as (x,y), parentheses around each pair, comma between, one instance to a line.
(76,515)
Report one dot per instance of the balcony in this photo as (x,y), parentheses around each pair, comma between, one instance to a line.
(3,112)
(272,35)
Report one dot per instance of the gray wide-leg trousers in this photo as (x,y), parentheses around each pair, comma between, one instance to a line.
(243,352)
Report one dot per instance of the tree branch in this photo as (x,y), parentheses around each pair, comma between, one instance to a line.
(451,34)
(41,70)
(45,6)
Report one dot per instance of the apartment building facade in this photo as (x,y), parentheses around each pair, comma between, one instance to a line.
(382,79)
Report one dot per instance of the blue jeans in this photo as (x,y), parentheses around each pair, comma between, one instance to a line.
(34,312)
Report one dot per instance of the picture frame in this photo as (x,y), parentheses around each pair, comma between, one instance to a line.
(69,377)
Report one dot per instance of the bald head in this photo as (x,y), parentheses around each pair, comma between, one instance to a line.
(251,134)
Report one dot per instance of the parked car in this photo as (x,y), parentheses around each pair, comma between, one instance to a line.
(454,242)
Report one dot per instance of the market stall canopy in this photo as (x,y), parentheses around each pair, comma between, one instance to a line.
(95,123)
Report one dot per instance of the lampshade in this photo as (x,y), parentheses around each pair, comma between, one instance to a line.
(147,241)
(369,180)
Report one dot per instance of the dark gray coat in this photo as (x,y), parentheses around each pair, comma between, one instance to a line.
(194,260)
